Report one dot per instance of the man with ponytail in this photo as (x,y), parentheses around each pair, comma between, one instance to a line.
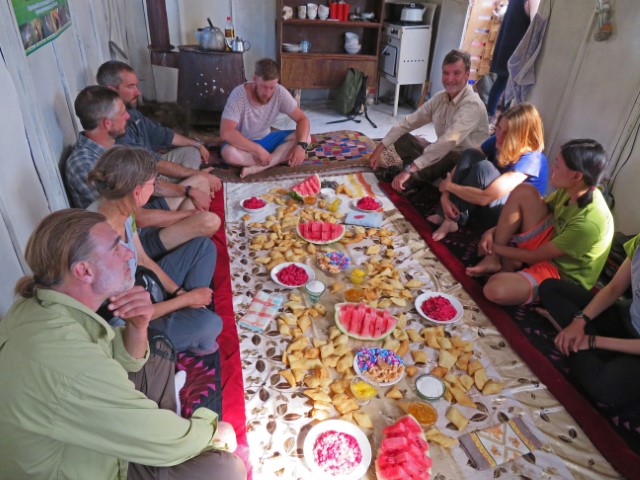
(567,235)
(68,406)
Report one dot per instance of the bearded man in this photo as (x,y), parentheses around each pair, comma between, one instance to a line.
(245,128)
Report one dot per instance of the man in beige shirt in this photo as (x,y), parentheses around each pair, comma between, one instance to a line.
(460,120)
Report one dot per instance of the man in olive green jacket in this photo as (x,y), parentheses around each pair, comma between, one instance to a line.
(67,407)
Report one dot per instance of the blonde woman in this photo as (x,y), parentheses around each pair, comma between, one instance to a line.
(125,178)
(483,179)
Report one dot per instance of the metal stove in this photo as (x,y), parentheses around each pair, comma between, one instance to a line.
(404,56)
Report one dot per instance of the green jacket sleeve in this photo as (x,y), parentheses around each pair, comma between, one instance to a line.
(101,410)
(631,246)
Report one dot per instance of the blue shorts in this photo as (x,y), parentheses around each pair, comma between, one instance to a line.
(271,141)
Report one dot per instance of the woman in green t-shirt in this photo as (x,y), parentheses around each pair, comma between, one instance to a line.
(567,235)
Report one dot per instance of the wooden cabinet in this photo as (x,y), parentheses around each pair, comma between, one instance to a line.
(326,64)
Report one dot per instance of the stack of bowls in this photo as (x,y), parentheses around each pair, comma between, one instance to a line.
(352,43)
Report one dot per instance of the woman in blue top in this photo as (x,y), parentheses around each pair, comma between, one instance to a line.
(483,179)
(125,178)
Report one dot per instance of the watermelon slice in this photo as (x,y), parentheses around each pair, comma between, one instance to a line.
(309,187)
(364,322)
(320,233)
(403,452)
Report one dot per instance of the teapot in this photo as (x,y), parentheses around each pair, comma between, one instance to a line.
(210,38)
(239,45)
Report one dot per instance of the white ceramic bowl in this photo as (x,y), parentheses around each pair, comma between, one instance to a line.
(339,426)
(454,302)
(275,270)
(353,50)
(253,210)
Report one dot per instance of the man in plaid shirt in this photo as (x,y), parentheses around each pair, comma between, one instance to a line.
(181,209)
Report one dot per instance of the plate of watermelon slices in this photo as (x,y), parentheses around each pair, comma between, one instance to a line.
(337,449)
(404,451)
(320,233)
(292,274)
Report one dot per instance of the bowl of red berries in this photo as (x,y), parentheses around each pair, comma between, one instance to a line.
(439,308)
(253,204)
(367,204)
(292,274)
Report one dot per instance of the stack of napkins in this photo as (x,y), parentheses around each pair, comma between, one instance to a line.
(262,310)
(364,219)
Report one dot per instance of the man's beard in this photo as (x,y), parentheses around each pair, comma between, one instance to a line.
(258,98)
(132,103)
(115,134)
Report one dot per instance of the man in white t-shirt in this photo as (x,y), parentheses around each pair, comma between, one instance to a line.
(245,128)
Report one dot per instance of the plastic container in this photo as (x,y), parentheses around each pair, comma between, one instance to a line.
(229,33)
(430,387)
(357,276)
(353,295)
(424,413)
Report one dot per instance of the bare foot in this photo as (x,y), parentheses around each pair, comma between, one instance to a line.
(435,219)
(447,226)
(488,265)
(252,170)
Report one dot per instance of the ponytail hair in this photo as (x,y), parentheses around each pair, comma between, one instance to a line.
(60,240)
(589,158)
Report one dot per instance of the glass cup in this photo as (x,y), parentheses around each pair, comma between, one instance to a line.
(363,391)
(357,276)
(314,290)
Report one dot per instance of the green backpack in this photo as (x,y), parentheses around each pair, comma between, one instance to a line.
(351,99)
(347,96)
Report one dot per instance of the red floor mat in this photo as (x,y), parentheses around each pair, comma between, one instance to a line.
(605,439)
(233,409)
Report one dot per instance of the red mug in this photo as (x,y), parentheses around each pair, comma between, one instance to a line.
(333,10)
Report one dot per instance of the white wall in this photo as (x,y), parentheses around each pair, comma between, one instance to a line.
(38,125)
(587,89)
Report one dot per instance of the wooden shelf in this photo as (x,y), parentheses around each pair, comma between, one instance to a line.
(326,56)
(330,23)
(326,65)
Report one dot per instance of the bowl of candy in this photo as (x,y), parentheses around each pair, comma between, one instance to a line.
(333,262)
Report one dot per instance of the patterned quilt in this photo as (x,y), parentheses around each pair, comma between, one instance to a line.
(344,150)
(278,415)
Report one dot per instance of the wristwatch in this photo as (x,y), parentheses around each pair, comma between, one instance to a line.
(408,168)
(304,145)
(187,191)
(582,315)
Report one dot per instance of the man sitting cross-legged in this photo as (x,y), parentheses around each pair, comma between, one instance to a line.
(180,211)
(245,128)
(567,235)
(68,406)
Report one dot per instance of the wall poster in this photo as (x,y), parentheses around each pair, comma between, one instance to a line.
(40,21)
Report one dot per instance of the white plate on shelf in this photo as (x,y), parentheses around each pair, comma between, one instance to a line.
(454,302)
(354,204)
(253,210)
(341,426)
(275,270)
(291,47)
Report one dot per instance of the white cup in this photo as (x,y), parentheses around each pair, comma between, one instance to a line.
(312,10)
(302,11)
(323,10)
